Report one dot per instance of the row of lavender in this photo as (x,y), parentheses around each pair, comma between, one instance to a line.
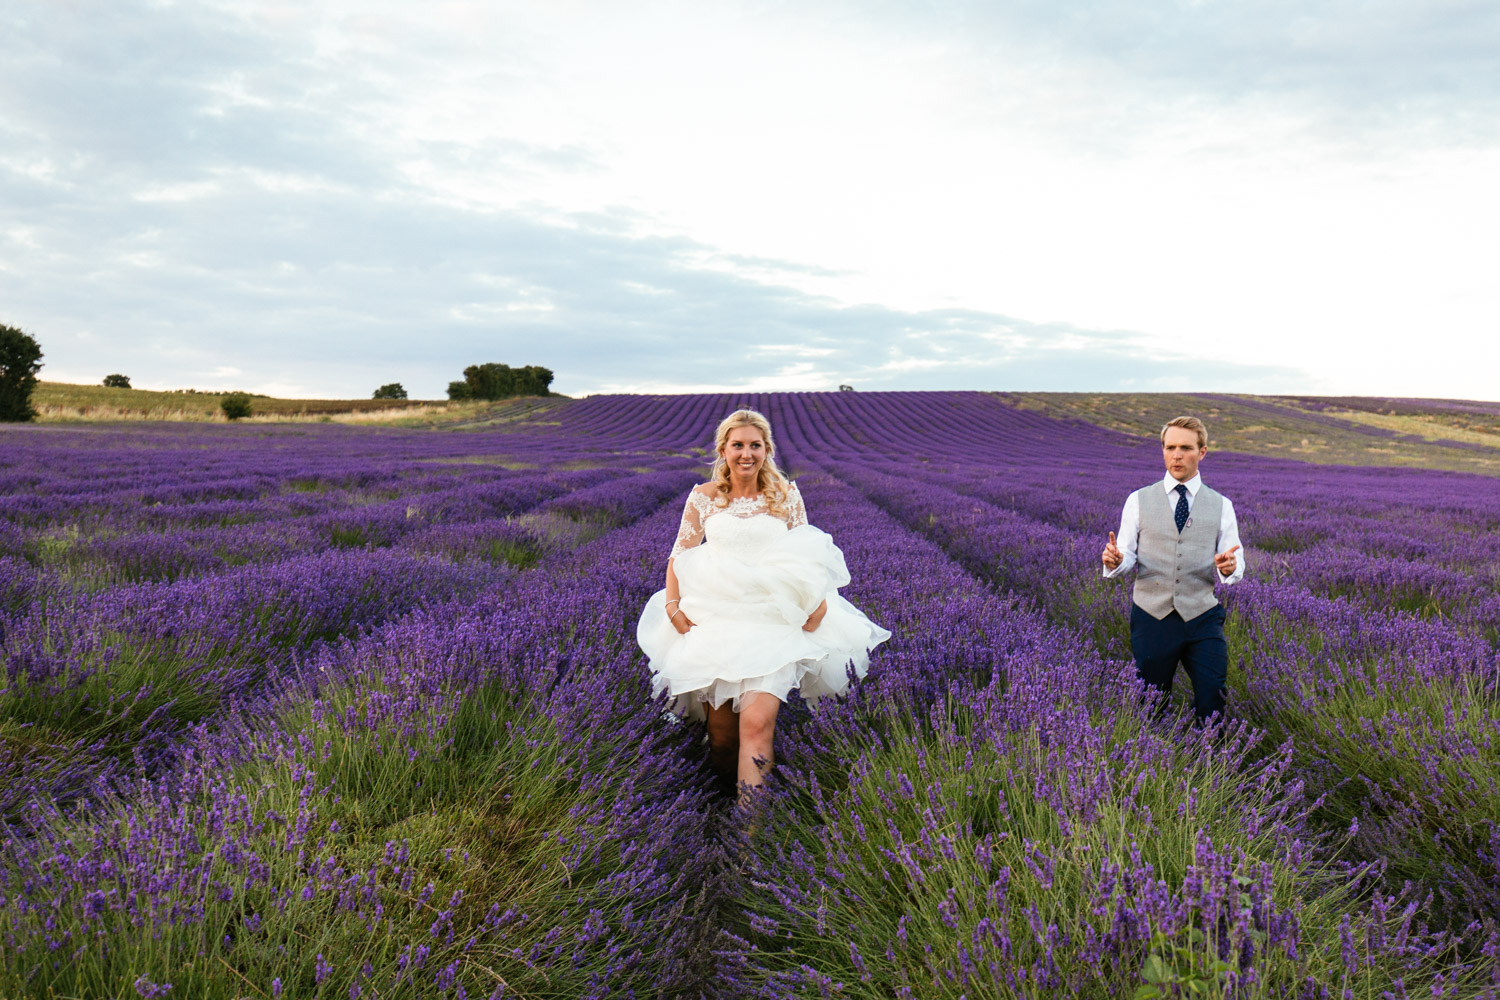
(1386,711)
(1391,711)
(319,832)
(204,570)
(993,815)
(900,449)
(318,767)
(469,800)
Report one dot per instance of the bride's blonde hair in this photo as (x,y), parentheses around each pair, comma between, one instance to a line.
(769,480)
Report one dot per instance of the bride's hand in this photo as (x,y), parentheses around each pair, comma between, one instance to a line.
(816,618)
(681,622)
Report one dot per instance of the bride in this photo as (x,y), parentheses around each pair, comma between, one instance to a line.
(751,607)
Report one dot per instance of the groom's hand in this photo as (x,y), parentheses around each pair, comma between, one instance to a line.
(1225,562)
(1112,555)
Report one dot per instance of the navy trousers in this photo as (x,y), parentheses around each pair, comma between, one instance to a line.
(1160,644)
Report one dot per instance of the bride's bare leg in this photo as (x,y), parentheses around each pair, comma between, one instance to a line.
(757,728)
(724,741)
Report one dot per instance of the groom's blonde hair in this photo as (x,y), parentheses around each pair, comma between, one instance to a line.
(1190,423)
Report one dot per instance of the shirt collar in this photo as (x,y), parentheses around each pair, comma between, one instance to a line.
(1170,484)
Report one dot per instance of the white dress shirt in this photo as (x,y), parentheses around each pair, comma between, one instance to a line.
(1127,539)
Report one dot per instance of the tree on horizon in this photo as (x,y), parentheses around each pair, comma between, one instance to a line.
(497,381)
(236,405)
(20,360)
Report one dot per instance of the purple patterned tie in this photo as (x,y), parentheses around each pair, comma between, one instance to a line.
(1181,514)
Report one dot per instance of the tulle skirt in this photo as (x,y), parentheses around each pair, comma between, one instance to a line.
(748,609)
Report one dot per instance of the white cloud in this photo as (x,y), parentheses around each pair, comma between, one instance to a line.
(326,195)
(792,350)
(179,192)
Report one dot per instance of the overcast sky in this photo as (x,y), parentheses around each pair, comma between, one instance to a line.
(313,199)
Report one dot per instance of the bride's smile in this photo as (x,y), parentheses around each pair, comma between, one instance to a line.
(745,451)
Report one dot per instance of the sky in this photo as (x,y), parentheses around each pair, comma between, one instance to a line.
(312,200)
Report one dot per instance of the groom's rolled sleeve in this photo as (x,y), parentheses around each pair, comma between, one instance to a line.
(1127,538)
(1229,537)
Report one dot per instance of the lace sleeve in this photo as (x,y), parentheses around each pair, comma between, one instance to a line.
(690,531)
(796,512)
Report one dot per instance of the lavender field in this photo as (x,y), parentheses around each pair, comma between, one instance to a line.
(325,711)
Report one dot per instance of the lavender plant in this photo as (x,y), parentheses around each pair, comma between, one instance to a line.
(321,711)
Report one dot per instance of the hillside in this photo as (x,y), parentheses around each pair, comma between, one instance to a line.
(67,402)
(1457,435)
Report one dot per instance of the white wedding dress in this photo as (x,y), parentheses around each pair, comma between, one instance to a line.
(748,580)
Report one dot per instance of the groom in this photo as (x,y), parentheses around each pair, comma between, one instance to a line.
(1184,538)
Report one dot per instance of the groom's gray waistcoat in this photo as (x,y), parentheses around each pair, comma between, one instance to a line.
(1176,570)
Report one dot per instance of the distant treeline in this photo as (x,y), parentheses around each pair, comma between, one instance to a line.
(496,381)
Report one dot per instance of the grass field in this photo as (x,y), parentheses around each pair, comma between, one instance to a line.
(1425,434)
(1449,415)
(68,401)
(65,402)
(1455,435)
